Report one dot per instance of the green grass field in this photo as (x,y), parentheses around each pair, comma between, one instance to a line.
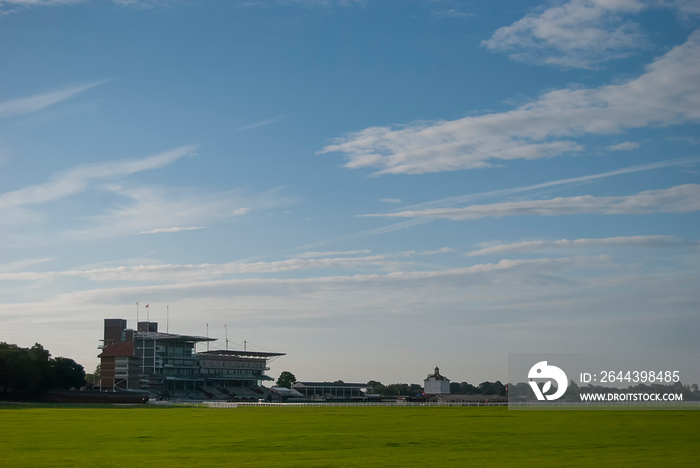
(342,436)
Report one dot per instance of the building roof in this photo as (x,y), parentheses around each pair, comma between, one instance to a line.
(123,349)
(436,375)
(330,384)
(170,337)
(239,353)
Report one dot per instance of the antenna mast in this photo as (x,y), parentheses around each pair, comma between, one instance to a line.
(226,330)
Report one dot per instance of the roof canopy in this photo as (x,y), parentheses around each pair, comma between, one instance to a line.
(239,353)
(170,337)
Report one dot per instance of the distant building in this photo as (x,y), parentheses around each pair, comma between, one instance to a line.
(332,390)
(146,359)
(436,384)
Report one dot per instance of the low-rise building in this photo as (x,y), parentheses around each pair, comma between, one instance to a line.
(436,384)
(332,390)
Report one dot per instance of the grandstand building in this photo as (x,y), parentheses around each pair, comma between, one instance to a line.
(168,364)
(332,390)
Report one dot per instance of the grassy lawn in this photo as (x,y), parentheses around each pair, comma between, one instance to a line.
(368,437)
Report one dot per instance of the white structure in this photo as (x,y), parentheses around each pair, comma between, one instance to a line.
(436,384)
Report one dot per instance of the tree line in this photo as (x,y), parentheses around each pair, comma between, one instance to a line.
(287,379)
(32,371)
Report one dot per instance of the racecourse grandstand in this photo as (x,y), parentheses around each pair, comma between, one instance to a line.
(167,365)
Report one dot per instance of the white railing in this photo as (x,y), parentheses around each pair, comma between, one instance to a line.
(225,404)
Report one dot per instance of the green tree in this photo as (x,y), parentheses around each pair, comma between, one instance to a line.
(41,369)
(66,374)
(376,387)
(15,368)
(286,379)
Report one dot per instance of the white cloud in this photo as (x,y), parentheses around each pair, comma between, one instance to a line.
(40,2)
(450,13)
(208,271)
(622,241)
(626,146)
(240,211)
(78,178)
(679,199)
(667,93)
(38,102)
(438,251)
(262,123)
(390,200)
(330,254)
(460,199)
(22,264)
(172,229)
(576,34)
(150,208)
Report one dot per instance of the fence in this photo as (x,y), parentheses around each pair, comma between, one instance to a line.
(223,404)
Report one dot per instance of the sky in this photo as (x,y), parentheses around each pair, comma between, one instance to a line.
(373,187)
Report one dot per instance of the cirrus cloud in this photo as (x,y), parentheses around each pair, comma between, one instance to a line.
(667,93)
(679,199)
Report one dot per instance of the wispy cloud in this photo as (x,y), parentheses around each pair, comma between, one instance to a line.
(679,199)
(576,34)
(172,229)
(78,178)
(622,241)
(390,200)
(240,211)
(332,254)
(208,271)
(22,264)
(262,123)
(18,5)
(626,146)
(150,208)
(34,3)
(438,251)
(450,13)
(665,94)
(468,198)
(38,102)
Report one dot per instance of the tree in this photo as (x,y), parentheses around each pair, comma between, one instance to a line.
(41,369)
(94,378)
(31,371)
(376,387)
(286,379)
(466,388)
(67,374)
(15,368)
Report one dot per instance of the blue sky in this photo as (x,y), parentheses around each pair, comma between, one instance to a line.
(374,187)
